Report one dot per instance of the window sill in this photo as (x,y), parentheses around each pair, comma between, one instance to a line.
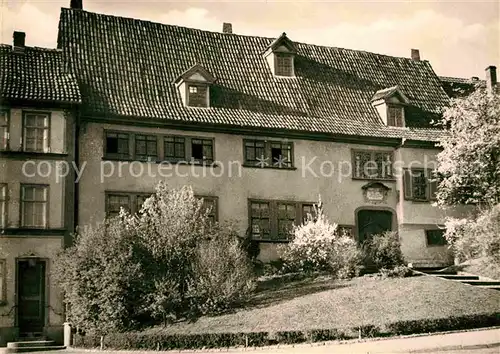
(392,179)
(31,231)
(267,240)
(270,167)
(172,162)
(32,153)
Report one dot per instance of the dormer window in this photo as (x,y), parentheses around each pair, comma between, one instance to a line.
(194,87)
(395,115)
(198,95)
(280,55)
(283,64)
(390,104)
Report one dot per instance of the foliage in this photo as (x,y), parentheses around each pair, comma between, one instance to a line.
(163,341)
(166,263)
(384,250)
(469,164)
(100,276)
(222,273)
(317,246)
(396,272)
(475,238)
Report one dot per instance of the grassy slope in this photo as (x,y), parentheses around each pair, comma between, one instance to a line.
(482,267)
(325,304)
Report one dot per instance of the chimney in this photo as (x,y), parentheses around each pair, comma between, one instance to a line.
(415,54)
(19,40)
(76,4)
(491,78)
(227,28)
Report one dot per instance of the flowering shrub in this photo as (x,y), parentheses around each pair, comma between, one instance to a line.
(474,238)
(384,250)
(166,263)
(222,273)
(318,246)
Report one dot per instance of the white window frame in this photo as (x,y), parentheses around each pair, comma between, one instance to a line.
(3,205)
(43,130)
(44,203)
(4,130)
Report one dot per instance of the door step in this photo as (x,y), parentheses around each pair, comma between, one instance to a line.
(481,282)
(457,277)
(32,346)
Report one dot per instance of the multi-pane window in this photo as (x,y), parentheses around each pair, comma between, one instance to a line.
(34,200)
(273,220)
(117,145)
(308,209)
(4,130)
(202,150)
(435,237)
(197,96)
(3,205)
(146,147)
(372,164)
(284,64)
(175,148)
(210,206)
(419,184)
(36,132)
(260,220)
(130,202)
(286,219)
(346,230)
(395,115)
(262,153)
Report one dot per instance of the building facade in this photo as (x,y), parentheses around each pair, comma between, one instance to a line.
(261,128)
(36,209)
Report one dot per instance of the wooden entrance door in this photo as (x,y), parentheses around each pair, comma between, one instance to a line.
(371,222)
(31,296)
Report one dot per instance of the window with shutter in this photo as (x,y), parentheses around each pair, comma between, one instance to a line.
(419,185)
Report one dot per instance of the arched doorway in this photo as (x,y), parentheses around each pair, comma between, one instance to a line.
(373,221)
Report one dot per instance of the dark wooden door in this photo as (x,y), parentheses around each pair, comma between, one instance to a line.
(371,222)
(31,296)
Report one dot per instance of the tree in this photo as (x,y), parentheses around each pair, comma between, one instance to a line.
(469,170)
(469,164)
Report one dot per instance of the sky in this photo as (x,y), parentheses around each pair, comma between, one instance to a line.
(459,38)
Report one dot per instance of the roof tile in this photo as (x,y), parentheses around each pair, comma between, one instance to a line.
(127,67)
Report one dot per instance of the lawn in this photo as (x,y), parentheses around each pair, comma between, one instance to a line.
(324,304)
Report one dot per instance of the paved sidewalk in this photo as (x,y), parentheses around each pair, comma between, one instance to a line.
(475,341)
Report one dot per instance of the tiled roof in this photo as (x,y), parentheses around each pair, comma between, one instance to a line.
(460,87)
(36,74)
(126,67)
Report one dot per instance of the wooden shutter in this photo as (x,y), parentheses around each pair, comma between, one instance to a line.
(407,184)
(433,183)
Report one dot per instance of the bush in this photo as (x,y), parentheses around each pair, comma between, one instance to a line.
(396,272)
(384,251)
(222,272)
(474,238)
(101,277)
(317,246)
(169,262)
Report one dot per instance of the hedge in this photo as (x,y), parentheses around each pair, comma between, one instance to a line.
(162,341)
